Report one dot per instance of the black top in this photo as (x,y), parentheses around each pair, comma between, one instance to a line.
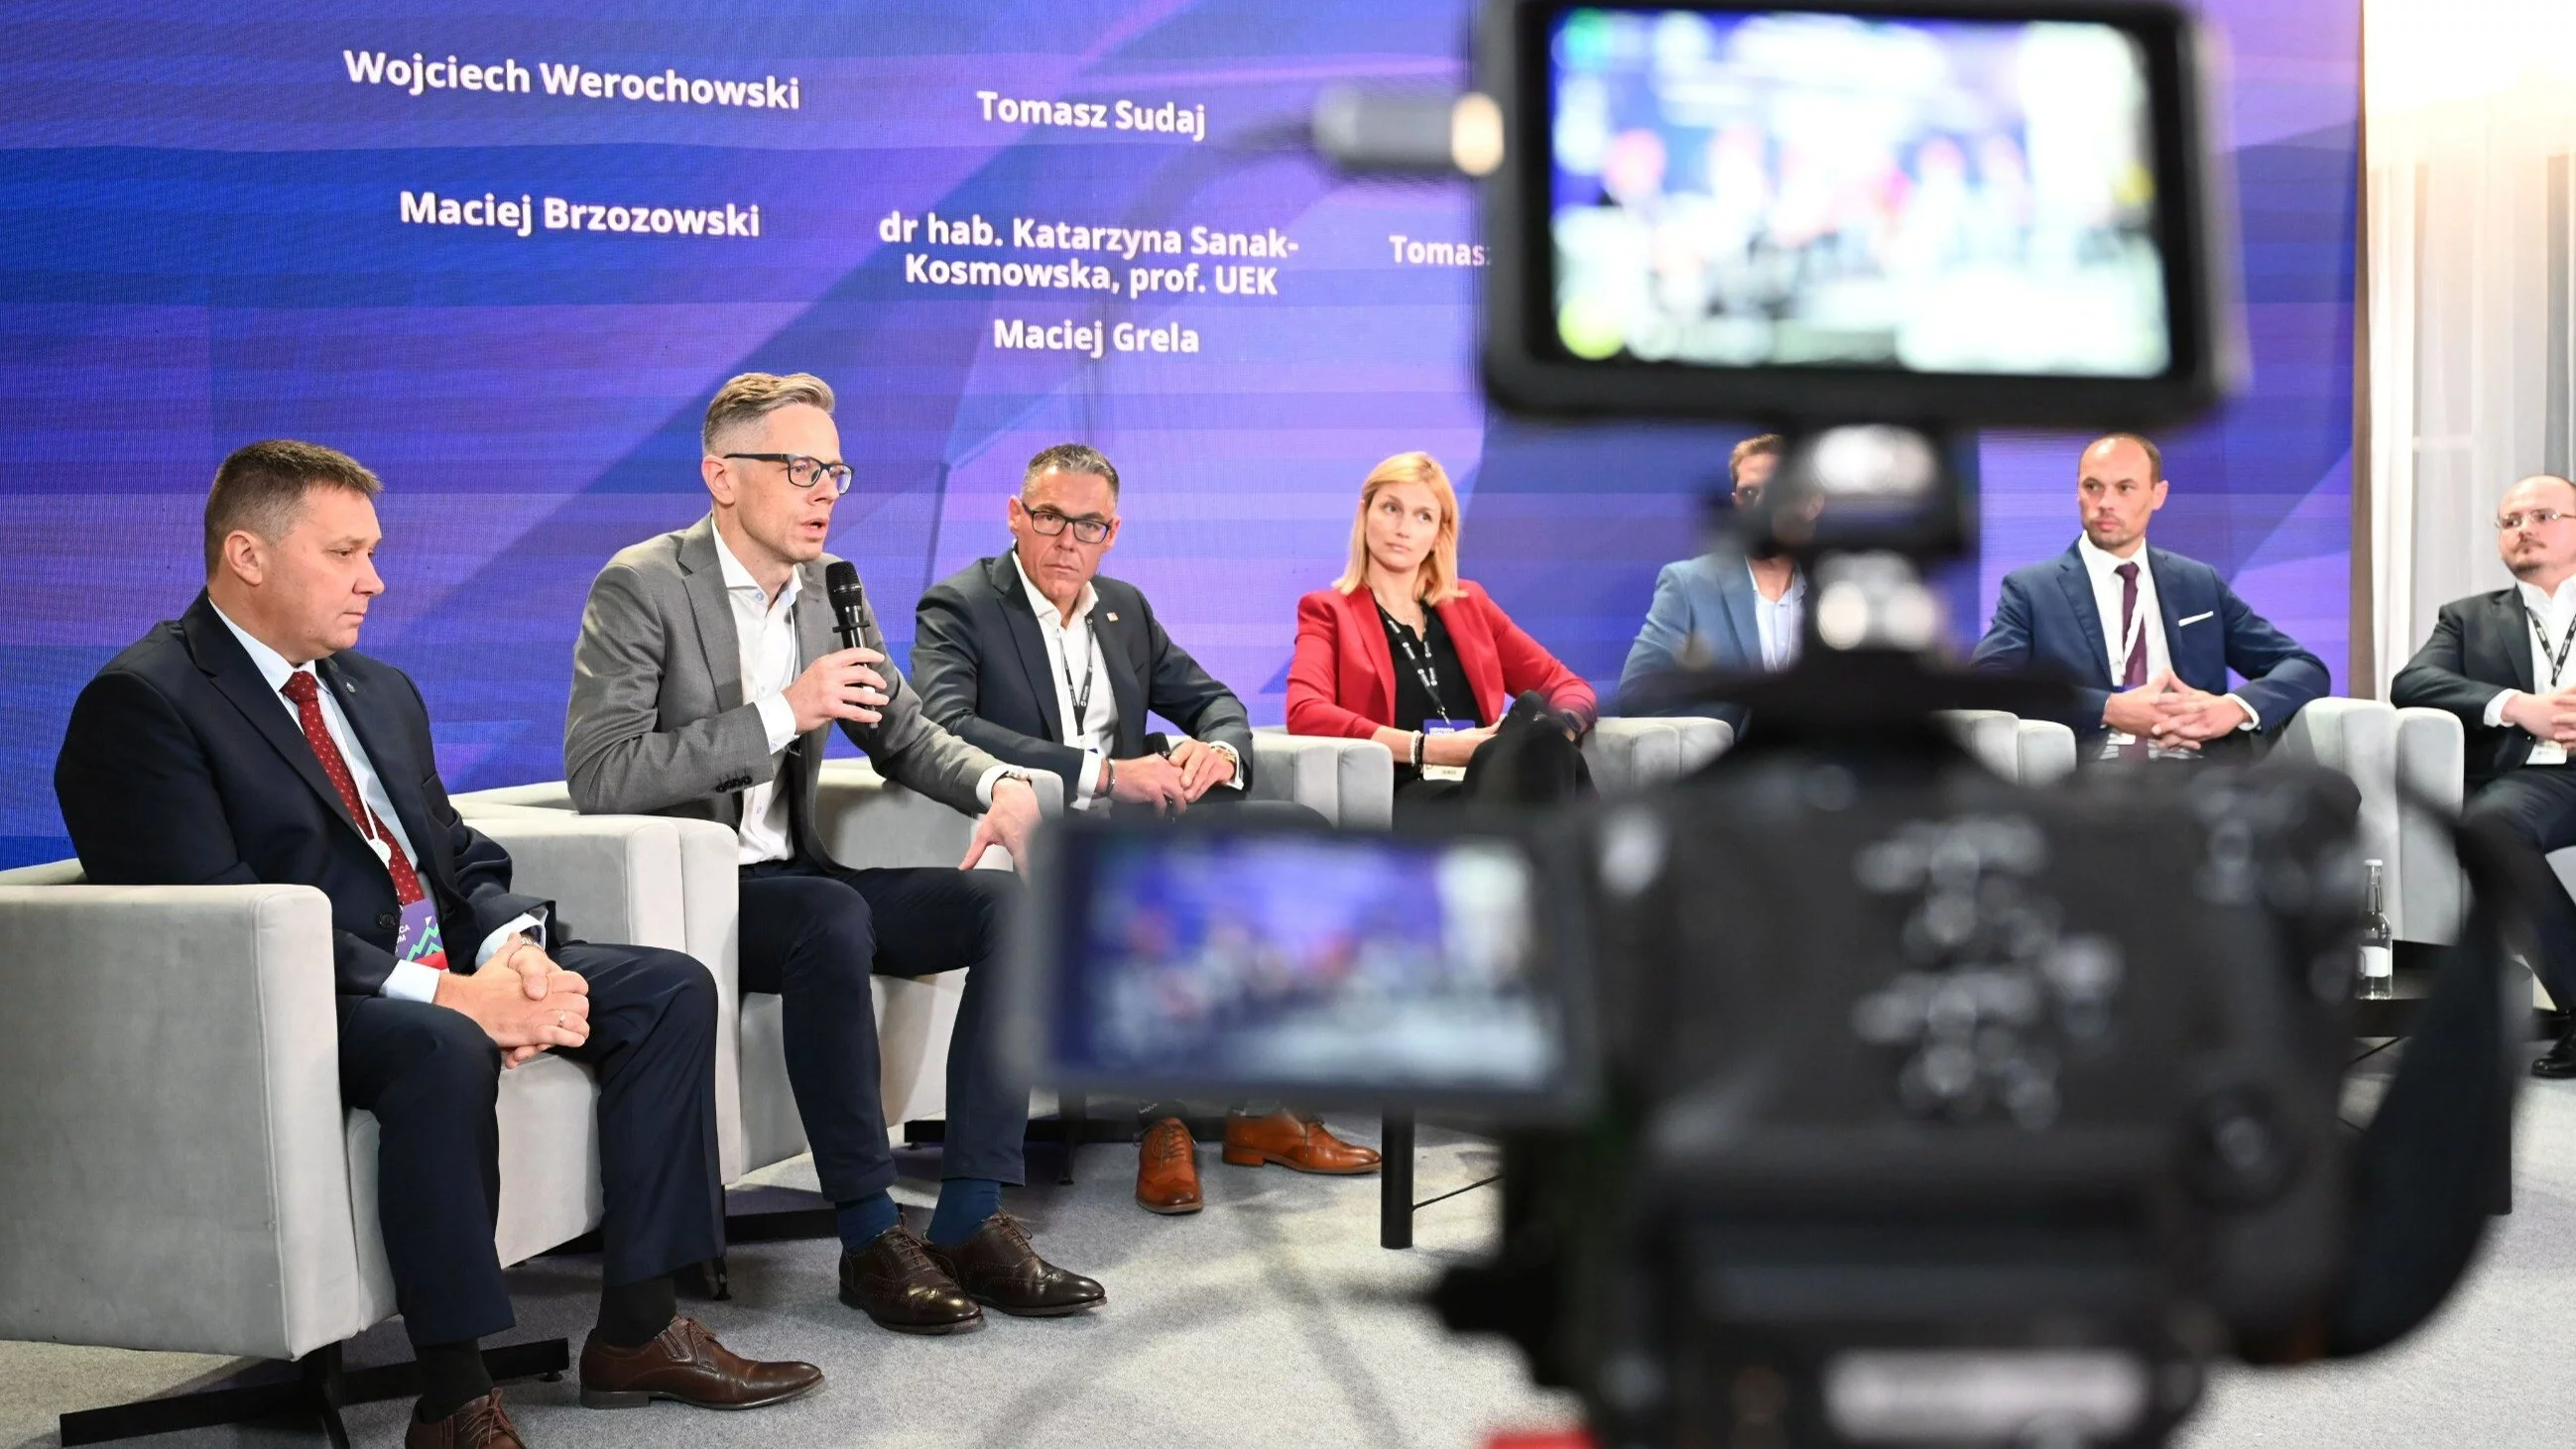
(1438,658)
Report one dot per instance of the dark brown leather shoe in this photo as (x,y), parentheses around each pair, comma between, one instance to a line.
(684,1363)
(998,1268)
(894,1281)
(481,1424)
(1291,1140)
(1167,1169)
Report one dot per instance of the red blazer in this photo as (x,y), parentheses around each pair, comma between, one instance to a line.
(1342,679)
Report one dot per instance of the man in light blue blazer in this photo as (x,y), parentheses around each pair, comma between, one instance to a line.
(2148,637)
(1722,610)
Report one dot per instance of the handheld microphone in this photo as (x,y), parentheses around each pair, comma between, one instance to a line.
(849,601)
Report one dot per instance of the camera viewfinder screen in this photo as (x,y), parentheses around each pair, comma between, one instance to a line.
(1353,963)
(1762,189)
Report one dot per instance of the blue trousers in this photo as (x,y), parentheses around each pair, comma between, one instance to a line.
(814,935)
(430,1076)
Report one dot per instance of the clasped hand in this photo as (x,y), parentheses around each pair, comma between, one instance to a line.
(2171,714)
(841,685)
(2545,716)
(522,1000)
(1171,783)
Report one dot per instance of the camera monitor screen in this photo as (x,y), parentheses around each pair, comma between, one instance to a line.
(1372,967)
(1966,213)
(1763,189)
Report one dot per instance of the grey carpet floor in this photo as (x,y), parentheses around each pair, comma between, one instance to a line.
(1271,1318)
(1274,1319)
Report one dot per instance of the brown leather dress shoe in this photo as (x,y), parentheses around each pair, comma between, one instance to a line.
(481,1424)
(997,1267)
(1290,1140)
(685,1363)
(1167,1169)
(893,1281)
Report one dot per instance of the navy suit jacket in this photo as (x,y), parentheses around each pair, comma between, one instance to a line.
(2047,622)
(1703,617)
(182,767)
(981,666)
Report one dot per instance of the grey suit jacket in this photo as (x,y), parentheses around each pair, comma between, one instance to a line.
(659,724)
(1702,618)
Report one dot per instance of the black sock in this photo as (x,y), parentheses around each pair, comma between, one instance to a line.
(632,1315)
(451,1376)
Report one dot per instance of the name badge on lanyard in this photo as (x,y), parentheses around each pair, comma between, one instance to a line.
(2549,752)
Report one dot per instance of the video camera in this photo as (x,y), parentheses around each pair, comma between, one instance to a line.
(1850,1094)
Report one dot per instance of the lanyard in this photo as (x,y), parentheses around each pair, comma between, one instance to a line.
(1425,669)
(2558,657)
(1078,727)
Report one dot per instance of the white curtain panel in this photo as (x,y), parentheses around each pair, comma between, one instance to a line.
(2469,110)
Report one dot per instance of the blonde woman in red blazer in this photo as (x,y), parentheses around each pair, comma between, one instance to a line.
(1463,660)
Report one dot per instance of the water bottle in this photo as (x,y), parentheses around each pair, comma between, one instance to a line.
(2377,965)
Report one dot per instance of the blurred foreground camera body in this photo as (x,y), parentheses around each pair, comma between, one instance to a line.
(1940,1110)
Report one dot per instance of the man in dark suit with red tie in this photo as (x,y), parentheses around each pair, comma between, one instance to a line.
(246,742)
(2147,636)
(2501,662)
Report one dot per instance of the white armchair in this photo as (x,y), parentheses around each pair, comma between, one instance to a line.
(2029,751)
(866,822)
(182,1174)
(1632,752)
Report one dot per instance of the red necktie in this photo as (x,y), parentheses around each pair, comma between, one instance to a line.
(2136,672)
(307,695)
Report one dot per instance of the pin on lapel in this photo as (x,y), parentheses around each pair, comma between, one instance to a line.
(1113,616)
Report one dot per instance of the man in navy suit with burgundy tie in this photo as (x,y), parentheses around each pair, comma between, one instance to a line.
(246,742)
(2147,636)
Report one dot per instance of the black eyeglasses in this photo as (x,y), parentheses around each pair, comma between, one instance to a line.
(1049,522)
(805,472)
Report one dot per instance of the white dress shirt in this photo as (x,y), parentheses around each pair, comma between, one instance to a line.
(1779,620)
(2103,566)
(1073,656)
(2557,614)
(764,631)
(410,981)
(1073,662)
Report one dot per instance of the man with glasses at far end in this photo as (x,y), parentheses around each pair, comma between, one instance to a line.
(1039,657)
(1725,610)
(705,684)
(2501,662)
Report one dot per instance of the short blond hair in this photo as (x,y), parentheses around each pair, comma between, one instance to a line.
(748,397)
(1760,445)
(1437,579)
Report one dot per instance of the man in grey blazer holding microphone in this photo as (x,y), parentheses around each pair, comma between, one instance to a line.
(705,684)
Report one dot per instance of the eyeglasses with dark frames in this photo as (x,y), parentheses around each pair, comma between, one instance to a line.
(803,471)
(1087,529)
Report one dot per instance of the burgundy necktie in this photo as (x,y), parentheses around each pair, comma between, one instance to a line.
(2135,673)
(300,687)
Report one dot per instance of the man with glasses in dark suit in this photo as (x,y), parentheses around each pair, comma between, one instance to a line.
(2501,662)
(1037,656)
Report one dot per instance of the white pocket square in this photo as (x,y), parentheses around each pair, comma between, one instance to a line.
(2194,619)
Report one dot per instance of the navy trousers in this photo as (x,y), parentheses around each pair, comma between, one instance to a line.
(430,1076)
(814,935)
(2537,806)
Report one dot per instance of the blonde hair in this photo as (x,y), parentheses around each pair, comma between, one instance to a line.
(1437,579)
(751,396)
